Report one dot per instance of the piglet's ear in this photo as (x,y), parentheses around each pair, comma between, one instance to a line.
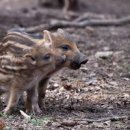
(48,42)
(30,59)
(61,31)
(47,36)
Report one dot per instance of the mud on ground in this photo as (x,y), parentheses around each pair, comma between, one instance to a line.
(96,97)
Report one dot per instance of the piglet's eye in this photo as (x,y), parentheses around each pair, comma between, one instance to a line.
(65,47)
(47,57)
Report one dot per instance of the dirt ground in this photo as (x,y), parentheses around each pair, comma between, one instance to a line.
(95,97)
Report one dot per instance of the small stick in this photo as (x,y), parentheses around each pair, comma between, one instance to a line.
(54,24)
(114,118)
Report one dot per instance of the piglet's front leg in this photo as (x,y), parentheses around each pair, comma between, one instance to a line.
(32,101)
(42,92)
(14,96)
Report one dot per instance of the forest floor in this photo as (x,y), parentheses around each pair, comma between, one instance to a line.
(95,97)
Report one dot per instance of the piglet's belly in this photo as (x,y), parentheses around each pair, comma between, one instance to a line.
(30,84)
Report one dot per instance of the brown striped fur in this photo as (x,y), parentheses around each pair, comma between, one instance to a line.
(22,71)
(60,40)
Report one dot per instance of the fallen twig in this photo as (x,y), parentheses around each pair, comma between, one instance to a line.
(27,117)
(114,118)
(54,24)
(70,123)
(86,16)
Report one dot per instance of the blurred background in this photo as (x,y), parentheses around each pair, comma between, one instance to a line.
(32,12)
(97,96)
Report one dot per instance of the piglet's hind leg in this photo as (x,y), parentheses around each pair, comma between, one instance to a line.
(14,96)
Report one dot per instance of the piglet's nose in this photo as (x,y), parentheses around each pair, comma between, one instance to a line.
(84,61)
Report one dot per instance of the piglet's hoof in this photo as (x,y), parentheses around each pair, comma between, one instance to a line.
(6,111)
(28,110)
(36,109)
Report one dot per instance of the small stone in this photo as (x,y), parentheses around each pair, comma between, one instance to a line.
(56,85)
(84,69)
(56,124)
(92,82)
(126,96)
(104,54)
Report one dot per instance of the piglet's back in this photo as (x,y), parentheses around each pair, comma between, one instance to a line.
(13,48)
(16,43)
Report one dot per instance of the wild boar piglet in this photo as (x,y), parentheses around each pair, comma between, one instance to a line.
(23,72)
